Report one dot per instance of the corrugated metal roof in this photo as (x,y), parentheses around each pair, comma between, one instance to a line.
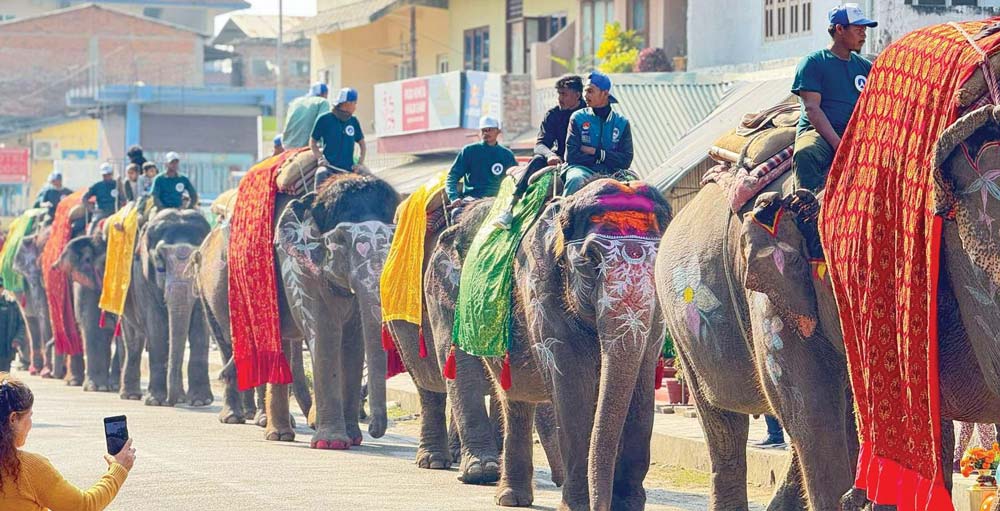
(692,148)
(409,176)
(251,26)
(357,14)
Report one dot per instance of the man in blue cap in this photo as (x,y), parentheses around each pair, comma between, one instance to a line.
(829,83)
(599,141)
(338,130)
(279,146)
(302,114)
(480,166)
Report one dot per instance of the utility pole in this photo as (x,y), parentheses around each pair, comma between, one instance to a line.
(279,89)
(413,41)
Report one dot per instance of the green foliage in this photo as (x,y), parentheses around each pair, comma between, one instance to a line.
(577,65)
(620,49)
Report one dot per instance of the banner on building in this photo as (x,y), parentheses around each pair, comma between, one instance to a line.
(427,103)
(14,167)
(483,96)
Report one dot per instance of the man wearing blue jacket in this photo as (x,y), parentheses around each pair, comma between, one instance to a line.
(599,140)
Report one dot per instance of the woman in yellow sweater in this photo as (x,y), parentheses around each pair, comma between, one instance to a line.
(28,482)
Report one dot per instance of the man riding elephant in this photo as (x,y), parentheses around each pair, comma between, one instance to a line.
(50,194)
(599,142)
(480,166)
(168,188)
(338,131)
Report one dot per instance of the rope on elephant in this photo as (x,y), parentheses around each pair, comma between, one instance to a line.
(13,281)
(883,242)
(57,288)
(121,228)
(484,312)
(253,286)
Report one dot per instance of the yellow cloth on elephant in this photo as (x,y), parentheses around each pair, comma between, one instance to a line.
(118,268)
(402,274)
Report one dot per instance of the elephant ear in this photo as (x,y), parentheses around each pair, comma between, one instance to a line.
(298,237)
(146,241)
(777,265)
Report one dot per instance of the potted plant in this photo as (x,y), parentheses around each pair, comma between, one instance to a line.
(669,356)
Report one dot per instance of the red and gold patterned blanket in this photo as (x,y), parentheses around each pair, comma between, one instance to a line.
(58,291)
(253,284)
(883,246)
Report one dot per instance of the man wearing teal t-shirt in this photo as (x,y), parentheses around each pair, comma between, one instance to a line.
(829,83)
(168,188)
(480,166)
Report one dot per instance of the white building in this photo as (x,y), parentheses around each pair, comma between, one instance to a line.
(752,33)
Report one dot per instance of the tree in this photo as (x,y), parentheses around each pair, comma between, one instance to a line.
(619,50)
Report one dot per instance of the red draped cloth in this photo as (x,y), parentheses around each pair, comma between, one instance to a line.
(58,292)
(253,286)
(883,244)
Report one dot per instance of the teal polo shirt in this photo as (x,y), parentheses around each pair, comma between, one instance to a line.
(338,138)
(481,167)
(170,189)
(838,81)
(302,115)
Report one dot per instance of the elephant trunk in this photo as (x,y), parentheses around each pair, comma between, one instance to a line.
(180,305)
(376,359)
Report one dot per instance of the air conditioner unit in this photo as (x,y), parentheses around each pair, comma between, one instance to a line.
(45,150)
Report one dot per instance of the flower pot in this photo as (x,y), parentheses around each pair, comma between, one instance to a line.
(669,372)
(673,390)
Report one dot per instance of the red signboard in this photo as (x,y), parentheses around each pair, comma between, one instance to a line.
(13,165)
(415,115)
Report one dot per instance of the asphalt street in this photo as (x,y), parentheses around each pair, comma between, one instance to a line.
(187,460)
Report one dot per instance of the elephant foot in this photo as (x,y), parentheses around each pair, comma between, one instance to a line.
(33,371)
(854,500)
(200,397)
(115,387)
(230,416)
(377,425)
(46,373)
(89,386)
(260,419)
(157,401)
(331,441)
(104,388)
(280,436)
(480,471)
(357,440)
(133,395)
(174,398)
(74,382)
(456,452)
(509,497)
(433,460)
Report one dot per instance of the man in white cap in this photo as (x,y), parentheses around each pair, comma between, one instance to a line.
(337,131)
(481,166)
(50,194)
(105,194)
(302,114)
(169,187)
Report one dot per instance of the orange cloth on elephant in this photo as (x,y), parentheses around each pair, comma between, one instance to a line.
(402,275)
(882,240)
(58,292)
(253,285)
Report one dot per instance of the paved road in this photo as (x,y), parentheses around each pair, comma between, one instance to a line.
(187,460)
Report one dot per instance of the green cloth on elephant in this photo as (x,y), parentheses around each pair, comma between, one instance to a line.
(13,281)
(484,312)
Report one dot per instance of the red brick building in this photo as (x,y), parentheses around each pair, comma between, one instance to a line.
(252,40)
(85,47)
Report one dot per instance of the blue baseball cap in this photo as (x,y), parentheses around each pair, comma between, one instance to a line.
(850,14)
(346,95)
(601,81)
(318,89)
(277,140)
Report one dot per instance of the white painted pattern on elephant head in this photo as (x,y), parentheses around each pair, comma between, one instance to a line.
(771,328)
(296,240)
(371,240)
(451,271)
(546,358)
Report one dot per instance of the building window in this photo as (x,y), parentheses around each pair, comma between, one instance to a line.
(6,17)
(300,68)
(442,63)
(787,18)
(477,49)
(261,67)
(638,18)
(152,12)
(595,15)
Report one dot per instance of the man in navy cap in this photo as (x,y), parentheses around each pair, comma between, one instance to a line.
(338,131)
(279,146)
(302,114)
(599,140)
(105,194)
(828,83)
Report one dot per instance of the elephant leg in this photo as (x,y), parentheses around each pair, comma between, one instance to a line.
(115,372)
(199,387)
(726,433)
(352,359)
(259,397)
(102,361)
(454,441)
(545,425)
(433,452)
(329,379)
(948,446)
(77,370)
(480,453)
(59,363)
(158,354)
(37,346)
(130,383)
(517,471)
(376,359)
(574,405)
(279,427)
(790,494)
(232,399)
(496,419)
(300,384)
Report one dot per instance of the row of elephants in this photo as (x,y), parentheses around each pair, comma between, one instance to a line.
(745,297)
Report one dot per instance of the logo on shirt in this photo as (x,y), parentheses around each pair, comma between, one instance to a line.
(614,135)
(497,169)
(859,82)
(586,125)
(179,187)
(349,131)
(114,193)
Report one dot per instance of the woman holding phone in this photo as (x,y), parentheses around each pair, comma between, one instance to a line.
(28,481)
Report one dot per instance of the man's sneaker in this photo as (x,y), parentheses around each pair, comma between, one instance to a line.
(770,443)
(504,220)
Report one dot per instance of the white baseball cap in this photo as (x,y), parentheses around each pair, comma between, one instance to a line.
(171,156)
(487,121)
(106,169)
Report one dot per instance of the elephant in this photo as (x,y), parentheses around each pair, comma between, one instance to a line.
(584,305)
(163,314)
(331,246)
(83,260)
(36,308)
(212,271)
(726,286)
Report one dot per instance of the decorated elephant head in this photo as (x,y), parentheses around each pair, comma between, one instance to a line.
(83,260)
(167,245)
(778,260)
